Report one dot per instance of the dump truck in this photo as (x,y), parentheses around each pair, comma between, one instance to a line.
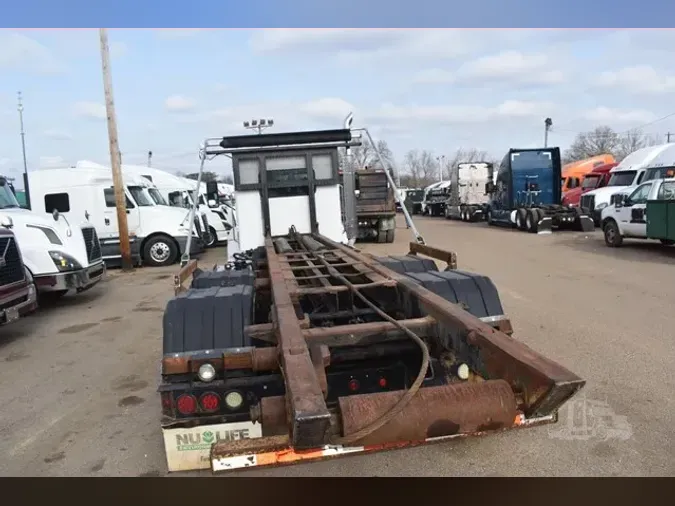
(435,198)
(468,199)
(302,348)
(375,205)
(648,212)
(527,194)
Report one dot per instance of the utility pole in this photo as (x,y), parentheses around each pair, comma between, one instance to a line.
(548,122)
(668,136)
(23,149)
(441,163)
(115,155)
(149,159)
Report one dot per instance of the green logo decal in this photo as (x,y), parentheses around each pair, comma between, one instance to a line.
(207,437)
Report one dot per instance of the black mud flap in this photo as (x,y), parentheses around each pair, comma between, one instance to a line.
(585,224)
(545,226)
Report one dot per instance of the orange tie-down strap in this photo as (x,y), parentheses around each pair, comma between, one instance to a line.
(277,456)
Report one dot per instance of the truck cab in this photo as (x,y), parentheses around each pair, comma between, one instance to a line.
(628,173)
(435,198)
(468,199)
(527,194)
(597,178)
(175,190)
(60,254)
(633,214)
(158,234)
(18,296)
(573,174)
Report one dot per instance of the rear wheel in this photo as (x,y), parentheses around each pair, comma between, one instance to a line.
(382,236)
(667,242)
(390,235)
(488,218)
(613,237)
(521,215)
(213,238)
(532,221)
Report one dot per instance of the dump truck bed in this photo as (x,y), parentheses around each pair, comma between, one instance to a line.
(345,352)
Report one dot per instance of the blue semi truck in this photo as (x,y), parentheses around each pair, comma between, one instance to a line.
(527,193)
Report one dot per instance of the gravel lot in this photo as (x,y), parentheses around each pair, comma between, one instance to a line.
(78,379)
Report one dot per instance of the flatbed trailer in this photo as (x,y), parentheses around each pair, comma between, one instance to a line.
(304,348)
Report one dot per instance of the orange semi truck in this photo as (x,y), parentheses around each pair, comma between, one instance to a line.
(573,173)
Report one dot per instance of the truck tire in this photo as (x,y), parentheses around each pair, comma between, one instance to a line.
(532,220)
(488,218)
(212,318)
(612,234)
(160,251)
(521,216)
(382,236)
(390,235)
(667,242)
(213,238)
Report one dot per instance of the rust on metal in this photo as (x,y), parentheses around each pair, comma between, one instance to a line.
(449,257)
(357,334)
(434,412)
(272,416)
(308,413)
(544,384)
(186,271)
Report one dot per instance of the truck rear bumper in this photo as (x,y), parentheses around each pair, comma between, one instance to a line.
(243,446)
(81,280)
(17,304)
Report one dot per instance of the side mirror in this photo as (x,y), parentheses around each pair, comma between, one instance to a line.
(55,214)
(489,188)
(621,200)
(212,203)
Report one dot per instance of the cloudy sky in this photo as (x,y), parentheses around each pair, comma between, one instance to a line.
(435,89)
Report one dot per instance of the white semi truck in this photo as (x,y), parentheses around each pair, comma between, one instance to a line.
(468,198)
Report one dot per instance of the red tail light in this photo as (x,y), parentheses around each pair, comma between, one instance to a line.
(186,404)
(383,382)
(353,385)
(167,402)
(210,402)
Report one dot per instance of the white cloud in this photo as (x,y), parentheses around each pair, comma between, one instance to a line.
(434,76)
(530,68)
(58,135)
(179,103)
(49,162)
(609,116)
(327,108)
(463,114)
(22,53)
(90,110)
(638,79)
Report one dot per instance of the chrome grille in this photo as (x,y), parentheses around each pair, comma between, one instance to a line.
(91,243)
(11,266)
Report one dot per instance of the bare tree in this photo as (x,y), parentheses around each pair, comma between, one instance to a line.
(420,168)
(632,141)
(206,176)
(601,140)
(463,156)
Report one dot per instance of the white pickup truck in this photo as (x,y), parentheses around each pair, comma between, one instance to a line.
(627,217)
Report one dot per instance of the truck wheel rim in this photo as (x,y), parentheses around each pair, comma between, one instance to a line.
(611,235)
(160,252)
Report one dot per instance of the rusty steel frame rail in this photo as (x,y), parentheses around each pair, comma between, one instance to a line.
(307,412)
(543,384)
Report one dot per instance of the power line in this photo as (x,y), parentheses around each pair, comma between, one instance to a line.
(639,127)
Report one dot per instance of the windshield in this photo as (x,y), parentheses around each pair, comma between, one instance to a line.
(140,197)
(7,198)
(623,178)
(157,197)
(590,181)
(659,173)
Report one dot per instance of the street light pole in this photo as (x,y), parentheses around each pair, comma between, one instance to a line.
(548,122)
(441,163)
(23,149)
(258,124)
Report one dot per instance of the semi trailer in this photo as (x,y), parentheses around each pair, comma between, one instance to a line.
(302,348)
(435,198)
(468,199)
(527,194)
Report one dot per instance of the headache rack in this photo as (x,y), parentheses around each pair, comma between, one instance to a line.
(509,385)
